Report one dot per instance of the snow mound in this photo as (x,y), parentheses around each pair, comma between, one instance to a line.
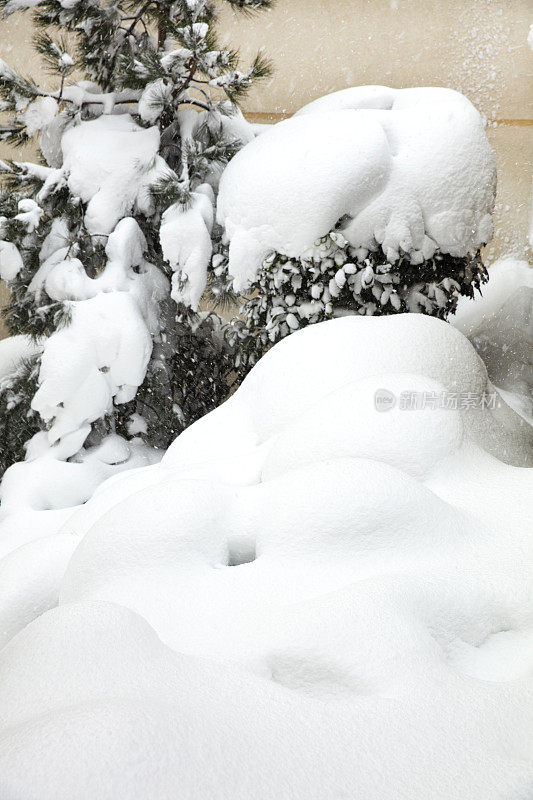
(404,170)
(314,595)
(311,364)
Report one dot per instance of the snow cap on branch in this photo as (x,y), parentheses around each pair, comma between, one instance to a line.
(185,236)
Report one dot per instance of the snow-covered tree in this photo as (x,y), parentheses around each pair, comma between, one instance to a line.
(105,242)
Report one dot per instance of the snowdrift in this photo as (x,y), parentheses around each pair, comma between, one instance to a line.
(405,170)
(309,597)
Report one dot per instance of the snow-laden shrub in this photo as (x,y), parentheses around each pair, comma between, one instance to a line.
(336,279)
(370,201)
(106,242)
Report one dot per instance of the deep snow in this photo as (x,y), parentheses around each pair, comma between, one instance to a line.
(308,598)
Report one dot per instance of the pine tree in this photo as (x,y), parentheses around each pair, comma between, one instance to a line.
(106,241)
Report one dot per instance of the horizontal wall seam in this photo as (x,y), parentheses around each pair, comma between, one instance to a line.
(272,116)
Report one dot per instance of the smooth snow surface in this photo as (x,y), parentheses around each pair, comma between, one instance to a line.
(308,598)
(406,170)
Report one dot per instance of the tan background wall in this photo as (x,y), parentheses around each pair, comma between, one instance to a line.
(318,46)
(478,47)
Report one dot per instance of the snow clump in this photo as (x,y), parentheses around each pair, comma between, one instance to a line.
(406,171)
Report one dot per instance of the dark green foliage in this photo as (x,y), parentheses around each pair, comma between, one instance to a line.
(291,293)
(188,376)
(18,422)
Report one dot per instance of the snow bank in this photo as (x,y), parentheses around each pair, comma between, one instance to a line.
(309,597)
(29,581)
(405,170)
(300,371)
(45,481)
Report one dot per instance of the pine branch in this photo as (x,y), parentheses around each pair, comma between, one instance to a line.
(251,6)
(14,135)
(54,54)
(237,84)
(170,190)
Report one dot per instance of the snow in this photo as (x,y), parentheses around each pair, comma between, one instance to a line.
(10,261)
(29,580)
(111,163)
(308,597)
(507,278)
(96,361)
(410,171)
(153,100)
(16,5)
(500,326)
(39,114)
(185,236)
(13,349)
(21,528)
(101,355)
(295,374)
(45,481)
(29,214)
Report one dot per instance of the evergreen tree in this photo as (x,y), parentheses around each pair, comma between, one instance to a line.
(106,242)
(335,279)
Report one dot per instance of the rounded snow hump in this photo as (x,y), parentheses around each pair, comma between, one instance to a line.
(406,170)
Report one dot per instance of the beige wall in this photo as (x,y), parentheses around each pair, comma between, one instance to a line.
(475,46)
(317,46)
